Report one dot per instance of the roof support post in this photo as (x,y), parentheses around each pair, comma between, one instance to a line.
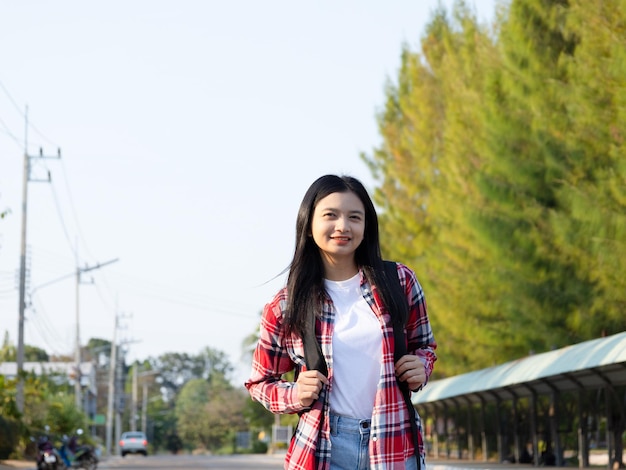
(483,431)
(619,424)
(428,413)
(609,425)
(470,431)
(457,429)
(583,439)
(435,432)
(517,446)
(446,435)
(608,391)
(554,427)
(499,430)
(533,426)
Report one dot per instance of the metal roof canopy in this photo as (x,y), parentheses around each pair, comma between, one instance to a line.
(589,365)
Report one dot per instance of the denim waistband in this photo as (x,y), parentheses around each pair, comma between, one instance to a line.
(340,423)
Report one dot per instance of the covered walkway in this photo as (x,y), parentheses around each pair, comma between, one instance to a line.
(545,409)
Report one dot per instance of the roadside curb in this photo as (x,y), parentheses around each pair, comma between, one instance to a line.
(11,464)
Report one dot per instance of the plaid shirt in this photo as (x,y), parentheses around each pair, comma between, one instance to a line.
(276,354)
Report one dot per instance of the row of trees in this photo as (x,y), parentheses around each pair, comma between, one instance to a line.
(192,403)
(502,177)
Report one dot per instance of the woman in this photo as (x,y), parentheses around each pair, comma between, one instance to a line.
(354,417)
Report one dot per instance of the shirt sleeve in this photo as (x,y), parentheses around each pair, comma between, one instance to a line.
(270,361)
(420,338)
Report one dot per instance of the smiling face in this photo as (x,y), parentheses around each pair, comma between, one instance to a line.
(337,227)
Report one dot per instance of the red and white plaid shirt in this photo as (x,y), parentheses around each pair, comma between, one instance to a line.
(277,353)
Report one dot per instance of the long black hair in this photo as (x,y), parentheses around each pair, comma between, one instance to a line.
(305,283)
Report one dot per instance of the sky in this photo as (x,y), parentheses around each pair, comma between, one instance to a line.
(189,132)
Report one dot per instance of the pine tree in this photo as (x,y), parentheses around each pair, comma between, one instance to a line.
(526,117)
(430,130)
(591,228)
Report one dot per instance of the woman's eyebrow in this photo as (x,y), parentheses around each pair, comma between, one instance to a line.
(334,209)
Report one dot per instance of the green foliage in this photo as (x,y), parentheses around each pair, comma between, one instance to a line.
(257,415)
(174,443)
(10,428)
(9,436)
(176,369)
(8,352)
(50,402)
(35,354)
(502,177)
(96,347)
(592,228)
(46,403)
(208,413)
(162,420)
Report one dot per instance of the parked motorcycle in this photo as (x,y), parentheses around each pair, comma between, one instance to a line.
(78,456)
(48,458)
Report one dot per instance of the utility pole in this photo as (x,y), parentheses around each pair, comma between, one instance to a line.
(110,398)
(77,352)
(144,409)
(119,405)
(22,303)
(135,398)
(133,406)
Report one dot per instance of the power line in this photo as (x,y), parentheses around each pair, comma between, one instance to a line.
(6,92)
(48,333)
(24,116)
(62,220)
(73,209)
(8,132)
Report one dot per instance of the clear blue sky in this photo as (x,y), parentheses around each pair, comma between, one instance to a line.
(189,132)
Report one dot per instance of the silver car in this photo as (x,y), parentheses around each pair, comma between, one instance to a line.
(133,442)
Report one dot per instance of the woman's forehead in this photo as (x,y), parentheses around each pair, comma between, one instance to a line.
(341,200)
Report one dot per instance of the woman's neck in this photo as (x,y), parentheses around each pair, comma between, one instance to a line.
(339,270)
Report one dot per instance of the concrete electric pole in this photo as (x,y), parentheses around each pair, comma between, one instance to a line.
(111,397)
(77,352)
(26,178)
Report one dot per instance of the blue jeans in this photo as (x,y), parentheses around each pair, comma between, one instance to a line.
(349,438)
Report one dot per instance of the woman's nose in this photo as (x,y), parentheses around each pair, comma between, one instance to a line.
(342,224)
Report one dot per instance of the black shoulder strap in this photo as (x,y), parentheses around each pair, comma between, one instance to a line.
(399,341)
(313,357)
(400,318)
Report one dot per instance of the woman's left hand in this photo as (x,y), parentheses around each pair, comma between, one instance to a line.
(410,369)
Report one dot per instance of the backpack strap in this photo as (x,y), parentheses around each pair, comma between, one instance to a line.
(313,356)
(399,341)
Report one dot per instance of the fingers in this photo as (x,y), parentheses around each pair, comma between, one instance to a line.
(309,386)
(411,369)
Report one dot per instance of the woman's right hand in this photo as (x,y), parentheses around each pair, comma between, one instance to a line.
(309,386)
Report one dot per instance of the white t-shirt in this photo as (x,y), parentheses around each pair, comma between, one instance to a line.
(357,350)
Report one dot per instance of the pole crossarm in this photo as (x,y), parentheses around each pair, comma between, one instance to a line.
(97,266)
(65,276)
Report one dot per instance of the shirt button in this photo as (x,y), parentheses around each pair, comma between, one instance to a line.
(374,438)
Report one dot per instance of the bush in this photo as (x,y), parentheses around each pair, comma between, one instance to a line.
(9,435)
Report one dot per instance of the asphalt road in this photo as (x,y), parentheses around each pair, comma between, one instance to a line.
(188,462)
(195,462)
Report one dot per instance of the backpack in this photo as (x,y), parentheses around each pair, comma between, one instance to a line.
(314,358)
